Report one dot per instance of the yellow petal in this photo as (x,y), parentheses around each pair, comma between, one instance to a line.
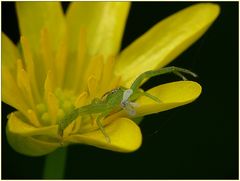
(9,72)
(61,59)
(34,16)
(33,118)
(9,54)
(29,145)
(18,126)
(77,67)
(9,86)
(165,41)
(171,95)
(31,67)
(124,134)
(103,21)
(81,99)
(20,136)
(24,84)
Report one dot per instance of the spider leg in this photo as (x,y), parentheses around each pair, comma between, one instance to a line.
(99,123)
(151,97)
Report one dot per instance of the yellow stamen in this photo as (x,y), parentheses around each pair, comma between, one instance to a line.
(49,84)
(46,51)
(8,88)
(81,99)
(94,68)
(77,125)
(52,104)
(30,67)
(50,98)
(68,129)
(33,118)
(24,84)
(92,85)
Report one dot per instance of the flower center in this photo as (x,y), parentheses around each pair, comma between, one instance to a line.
(45,82)
(65,101)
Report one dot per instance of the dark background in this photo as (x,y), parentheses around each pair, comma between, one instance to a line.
(197,141)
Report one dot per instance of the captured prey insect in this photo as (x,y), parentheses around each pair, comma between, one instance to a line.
(119,98)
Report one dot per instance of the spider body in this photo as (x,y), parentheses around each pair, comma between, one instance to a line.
(119,98)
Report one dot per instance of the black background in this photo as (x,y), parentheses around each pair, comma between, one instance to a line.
(197,141)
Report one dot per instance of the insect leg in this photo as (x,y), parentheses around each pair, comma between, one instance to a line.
(151,97)
(67,120)
(141,92)
(180,75)
(99,118)
(176,70)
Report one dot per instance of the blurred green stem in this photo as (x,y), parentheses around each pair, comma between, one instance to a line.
(54,167)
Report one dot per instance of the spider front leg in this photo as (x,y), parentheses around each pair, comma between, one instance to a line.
(152,73)
(134,92)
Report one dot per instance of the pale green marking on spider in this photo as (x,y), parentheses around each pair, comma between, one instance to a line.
(120,98)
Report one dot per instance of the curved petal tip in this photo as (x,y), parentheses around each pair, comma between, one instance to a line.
(171,95)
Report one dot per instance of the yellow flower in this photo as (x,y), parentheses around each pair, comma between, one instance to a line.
(65,61)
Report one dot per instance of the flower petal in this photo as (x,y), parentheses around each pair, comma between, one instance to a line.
(19,135)
(29,145)
(171,95)
(124,134)
(33,17)
(9,72)
(18,126)
(9,54)
(165,41)
(104,22)
(9,85)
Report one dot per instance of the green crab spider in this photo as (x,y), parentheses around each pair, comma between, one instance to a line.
(119,98)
